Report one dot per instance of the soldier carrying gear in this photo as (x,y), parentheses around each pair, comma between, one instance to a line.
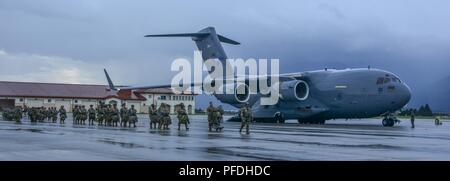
(62,115)
(164,111)
(108,113)
(211,115)
(76,115)
(412,119)
(217,119)
(17,114)
(246,117)
(132,116)
(123,116)
(91,113)
(41,114)
(54,113)
(183,117)
(153,114)
(115,116)
(84,114)
(100,115)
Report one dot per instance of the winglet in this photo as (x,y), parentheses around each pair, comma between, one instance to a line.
(110,83)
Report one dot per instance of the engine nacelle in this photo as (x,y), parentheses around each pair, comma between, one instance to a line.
(294,90)
(234,97)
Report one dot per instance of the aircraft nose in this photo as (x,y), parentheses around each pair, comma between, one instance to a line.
(406,94)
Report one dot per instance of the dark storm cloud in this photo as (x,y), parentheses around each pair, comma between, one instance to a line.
(399,36)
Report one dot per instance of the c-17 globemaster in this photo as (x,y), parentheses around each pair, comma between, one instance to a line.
(311,96)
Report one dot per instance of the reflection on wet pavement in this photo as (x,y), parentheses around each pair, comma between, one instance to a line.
(338,140)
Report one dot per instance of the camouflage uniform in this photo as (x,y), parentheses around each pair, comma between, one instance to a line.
(76,115)
(41,114)
(115,115)
(18,114)
(182,117)
(54,114)
(132,116)
(108,115)
(154,118)
(246,117)
(91,113)
(123,116)
(62,115)
(101,115)
(83,115)
(164,111)
(211,115)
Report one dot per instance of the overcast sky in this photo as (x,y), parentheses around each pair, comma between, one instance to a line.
(72,40)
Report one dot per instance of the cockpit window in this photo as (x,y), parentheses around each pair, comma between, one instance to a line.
(396,80)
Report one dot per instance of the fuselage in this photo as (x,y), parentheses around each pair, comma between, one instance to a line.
(349,93)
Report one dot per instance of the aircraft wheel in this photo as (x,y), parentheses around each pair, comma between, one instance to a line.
(388,122)
(385,122)
(279,118)
(391,122)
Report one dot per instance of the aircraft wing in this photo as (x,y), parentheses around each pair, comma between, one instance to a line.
(282,78)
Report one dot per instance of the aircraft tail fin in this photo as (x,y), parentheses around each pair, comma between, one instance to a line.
(110,83)
(207,41)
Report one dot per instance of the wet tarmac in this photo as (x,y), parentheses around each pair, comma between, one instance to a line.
(337,140)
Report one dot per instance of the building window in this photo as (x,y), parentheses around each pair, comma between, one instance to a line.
(163,97)
(149,96)
(49,100)
(21,100)
(76,101)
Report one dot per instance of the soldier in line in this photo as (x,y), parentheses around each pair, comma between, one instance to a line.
(17,114)
(115,116)
(217,118)
(211,115)
(62,115)
(164,112)
(132,116)
(83,114)
(100,114)
(47,113)
(41,114)
(412,119)
(76,115)
(108,115)
(32,114)
(91,113)
(246,117)
(54,114)
(182,117)
(123,115)
(154,118)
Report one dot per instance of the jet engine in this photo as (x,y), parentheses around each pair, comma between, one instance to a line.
(294,90)
(232,95)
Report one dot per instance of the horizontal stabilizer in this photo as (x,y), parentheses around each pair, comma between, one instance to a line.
(197,35)
(227,40)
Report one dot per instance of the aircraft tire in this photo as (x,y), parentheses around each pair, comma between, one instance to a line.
(388,122)
(385,122)
(279,118)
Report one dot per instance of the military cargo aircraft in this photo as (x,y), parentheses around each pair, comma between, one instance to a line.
(312,96)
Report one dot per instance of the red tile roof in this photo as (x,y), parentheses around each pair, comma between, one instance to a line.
(72,91)
(51,90)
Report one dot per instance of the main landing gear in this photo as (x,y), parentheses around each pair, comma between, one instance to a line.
(389,121)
